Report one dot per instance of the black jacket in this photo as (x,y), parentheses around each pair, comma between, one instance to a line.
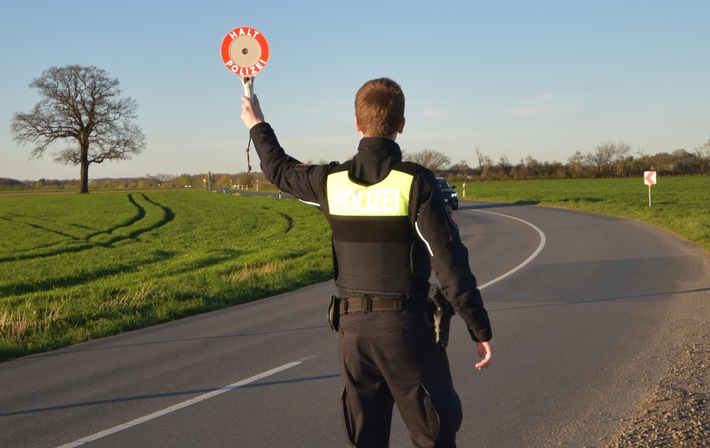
(430,219)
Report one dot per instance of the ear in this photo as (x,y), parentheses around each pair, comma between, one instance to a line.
(357,124)
(401,126)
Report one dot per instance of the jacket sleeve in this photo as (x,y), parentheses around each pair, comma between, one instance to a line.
(305,182)
(437,228)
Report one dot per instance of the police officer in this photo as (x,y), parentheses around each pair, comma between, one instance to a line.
(389,224)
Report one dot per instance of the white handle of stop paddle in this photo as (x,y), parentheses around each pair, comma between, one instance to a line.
(249,86)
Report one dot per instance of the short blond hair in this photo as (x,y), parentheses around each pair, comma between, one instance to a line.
(379,107)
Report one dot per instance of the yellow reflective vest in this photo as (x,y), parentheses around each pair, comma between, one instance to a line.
(374,241)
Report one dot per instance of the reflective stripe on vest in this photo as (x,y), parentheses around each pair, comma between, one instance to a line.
(389,197)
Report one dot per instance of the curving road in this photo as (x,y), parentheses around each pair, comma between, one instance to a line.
(587,311)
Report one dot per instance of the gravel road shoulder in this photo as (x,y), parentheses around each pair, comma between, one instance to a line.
(676,410)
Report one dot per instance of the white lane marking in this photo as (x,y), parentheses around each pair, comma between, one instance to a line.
(528,260)
(184,404)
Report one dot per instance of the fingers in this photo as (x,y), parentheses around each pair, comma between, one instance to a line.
(246,105)
(483,364)
(246,111)
(251,114)
(252,102)
(247,102)
(251,111)
(484,351)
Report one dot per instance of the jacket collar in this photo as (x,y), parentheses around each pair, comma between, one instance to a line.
(375,158)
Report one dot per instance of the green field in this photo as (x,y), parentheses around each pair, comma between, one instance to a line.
(77,267)
(679,204)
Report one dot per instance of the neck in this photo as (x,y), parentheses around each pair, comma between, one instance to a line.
(392,137)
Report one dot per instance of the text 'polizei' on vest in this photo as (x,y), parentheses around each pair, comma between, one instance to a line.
(390,197)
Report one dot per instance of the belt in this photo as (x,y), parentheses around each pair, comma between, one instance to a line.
(367,304)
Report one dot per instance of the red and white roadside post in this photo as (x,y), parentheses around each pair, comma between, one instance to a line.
(649,178)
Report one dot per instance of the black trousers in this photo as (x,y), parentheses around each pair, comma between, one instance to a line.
(389,357)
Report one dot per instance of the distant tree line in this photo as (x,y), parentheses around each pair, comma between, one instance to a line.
(211,181)
(609,159)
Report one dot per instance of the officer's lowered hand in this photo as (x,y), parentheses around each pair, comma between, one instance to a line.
(484,351)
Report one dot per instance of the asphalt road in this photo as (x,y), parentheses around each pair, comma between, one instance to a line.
(587,312)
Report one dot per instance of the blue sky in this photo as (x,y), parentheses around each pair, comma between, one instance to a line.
(512,78)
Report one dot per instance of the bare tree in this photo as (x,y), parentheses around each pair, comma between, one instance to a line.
(606,155)
(703,154)
(434,160)
(480,156)
(462,167)
(575,164)
(83,106)
(505,166)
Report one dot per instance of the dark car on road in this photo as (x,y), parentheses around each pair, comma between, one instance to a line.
(449,192)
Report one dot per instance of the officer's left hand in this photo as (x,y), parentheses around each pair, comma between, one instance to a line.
(484,351)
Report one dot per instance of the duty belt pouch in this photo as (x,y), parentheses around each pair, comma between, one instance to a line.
(334,313)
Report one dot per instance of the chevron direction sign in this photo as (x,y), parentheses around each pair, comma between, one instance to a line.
(649,178)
